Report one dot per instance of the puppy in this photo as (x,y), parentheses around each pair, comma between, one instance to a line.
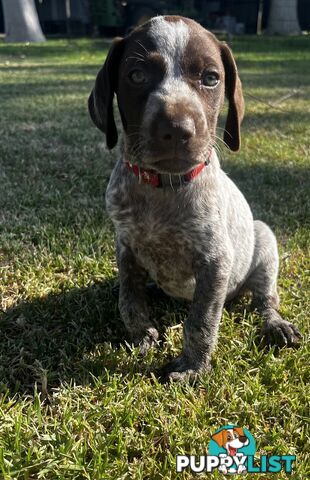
(178,218)
(231,440)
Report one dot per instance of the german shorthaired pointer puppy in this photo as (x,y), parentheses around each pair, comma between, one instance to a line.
(178,218)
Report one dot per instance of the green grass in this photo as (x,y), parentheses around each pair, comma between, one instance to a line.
(75,401)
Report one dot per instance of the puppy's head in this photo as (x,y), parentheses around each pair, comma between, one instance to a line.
(231,439)
(170,77)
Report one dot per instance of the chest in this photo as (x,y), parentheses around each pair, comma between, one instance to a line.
(154,218)
(164,247)
(162,230)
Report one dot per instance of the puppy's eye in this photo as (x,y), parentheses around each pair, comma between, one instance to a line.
(137,77)
(210,79)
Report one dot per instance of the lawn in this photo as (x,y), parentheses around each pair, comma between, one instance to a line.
(76,402)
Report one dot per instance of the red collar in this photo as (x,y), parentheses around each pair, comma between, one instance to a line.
(159,180)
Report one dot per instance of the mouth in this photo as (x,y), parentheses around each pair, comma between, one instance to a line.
(176,161)
(175,165)
(232,451)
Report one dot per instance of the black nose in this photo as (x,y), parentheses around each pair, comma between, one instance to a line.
(173,131)
(243,439)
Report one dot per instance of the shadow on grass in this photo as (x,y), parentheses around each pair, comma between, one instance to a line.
(69,337)
(55,68)
(41,88)
(277,195)
(65,337)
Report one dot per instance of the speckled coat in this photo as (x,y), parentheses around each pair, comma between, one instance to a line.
(196,241)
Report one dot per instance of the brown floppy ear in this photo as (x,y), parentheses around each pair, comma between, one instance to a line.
(220,438)
(100,101)
(233,92)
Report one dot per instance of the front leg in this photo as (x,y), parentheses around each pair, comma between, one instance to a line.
(133,299)
(201,327)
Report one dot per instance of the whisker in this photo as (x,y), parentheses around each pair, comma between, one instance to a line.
(136,59)
(139,43)
(137,148)
(217,148)
(221,140)
(139,54)
(218,151)
(224,130)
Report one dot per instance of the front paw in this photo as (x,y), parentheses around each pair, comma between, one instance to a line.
(182,369)
(280,333)
(147,340)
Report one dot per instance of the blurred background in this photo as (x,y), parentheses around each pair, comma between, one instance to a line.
(117,17)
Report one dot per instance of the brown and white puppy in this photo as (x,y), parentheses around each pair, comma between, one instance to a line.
(178,218)
(231,439)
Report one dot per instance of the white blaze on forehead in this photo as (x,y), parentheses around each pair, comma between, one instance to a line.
(171,39)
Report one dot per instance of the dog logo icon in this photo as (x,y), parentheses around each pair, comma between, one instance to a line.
(233,445)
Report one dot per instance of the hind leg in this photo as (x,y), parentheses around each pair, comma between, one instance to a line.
(262,281)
